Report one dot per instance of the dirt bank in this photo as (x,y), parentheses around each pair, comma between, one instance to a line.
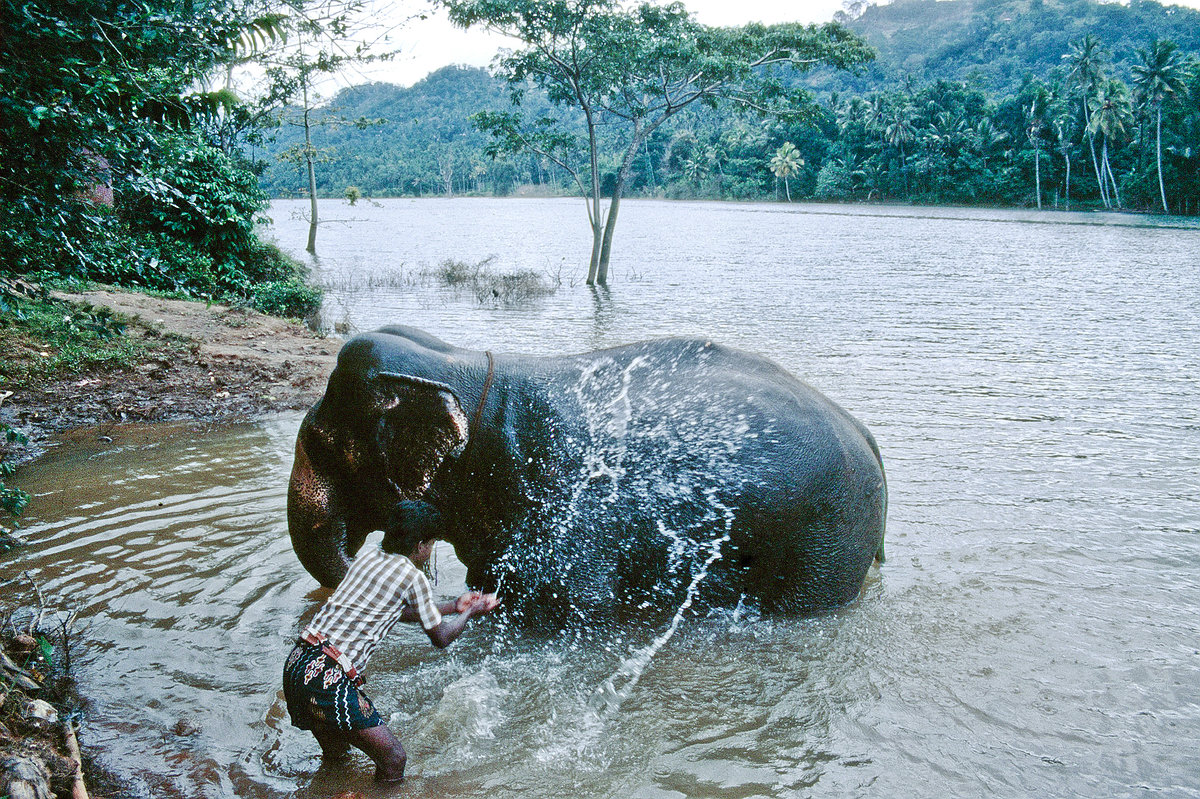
(209,363)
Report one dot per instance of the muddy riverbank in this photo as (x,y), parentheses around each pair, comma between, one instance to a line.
(198,364)
(203,363)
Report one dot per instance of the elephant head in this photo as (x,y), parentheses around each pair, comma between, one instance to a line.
(374,439)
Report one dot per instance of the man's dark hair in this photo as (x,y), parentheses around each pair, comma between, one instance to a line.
(410,523)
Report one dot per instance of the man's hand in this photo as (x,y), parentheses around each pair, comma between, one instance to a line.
(465,601)
(485,603)
(469,604)
(476,602)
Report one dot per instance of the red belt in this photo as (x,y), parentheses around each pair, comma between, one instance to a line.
(317,639)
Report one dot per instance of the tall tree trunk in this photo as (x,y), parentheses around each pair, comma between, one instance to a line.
(595,211)
(1108,171)
(1037,174)
(606,244)
(1067,197)
(1087,118)
(614,206)
(1100,179)
(312,177)
(1162,189)
(787,190)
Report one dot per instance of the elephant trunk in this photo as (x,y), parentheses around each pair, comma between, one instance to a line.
(317,522)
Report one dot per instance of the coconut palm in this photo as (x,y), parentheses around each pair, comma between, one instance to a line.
(694,170)
(987,139)
(1034,121)
(1113,115)
(1086,62)
(786,164)
(1063,119)
(1159,76)
(899,132)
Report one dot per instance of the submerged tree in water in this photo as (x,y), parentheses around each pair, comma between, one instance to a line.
(619,74)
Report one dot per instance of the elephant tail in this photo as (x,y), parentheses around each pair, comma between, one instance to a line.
(879,554)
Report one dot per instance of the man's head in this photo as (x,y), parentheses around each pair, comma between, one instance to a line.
(411,530)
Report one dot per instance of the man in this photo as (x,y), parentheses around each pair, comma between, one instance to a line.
(322,677)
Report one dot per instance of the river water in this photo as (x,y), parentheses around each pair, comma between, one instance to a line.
(1032,379)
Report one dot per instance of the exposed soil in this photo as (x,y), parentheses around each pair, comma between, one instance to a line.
(209,363)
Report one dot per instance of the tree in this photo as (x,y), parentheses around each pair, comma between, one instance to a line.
(1111,119)
(98,94)
(316,50)
(616,75)
(900,132)
(1086,61)
(1062,119)
(1158,76)
(1035,123)
(786,164)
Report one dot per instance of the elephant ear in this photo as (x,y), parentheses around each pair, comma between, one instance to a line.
(420,424)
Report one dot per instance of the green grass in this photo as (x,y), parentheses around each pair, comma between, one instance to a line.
(45,339)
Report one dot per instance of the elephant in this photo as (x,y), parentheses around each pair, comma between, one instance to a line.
(625,477)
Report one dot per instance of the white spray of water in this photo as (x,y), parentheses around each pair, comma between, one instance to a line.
(607,421)
(620,684)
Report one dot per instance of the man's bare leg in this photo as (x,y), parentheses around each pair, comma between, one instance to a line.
(384,748)
(334,745)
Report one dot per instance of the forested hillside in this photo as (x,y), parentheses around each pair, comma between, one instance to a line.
(998,43)
(1070,103)
(388,140)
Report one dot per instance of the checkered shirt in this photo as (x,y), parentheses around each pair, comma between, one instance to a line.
(367,602)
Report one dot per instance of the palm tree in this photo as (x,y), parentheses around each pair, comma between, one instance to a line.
(1033,130)
(694,170)
(1158,77)
(987,138)
(1112,116)
(786,164)
(899,132)
(1086,61)
(1062,118)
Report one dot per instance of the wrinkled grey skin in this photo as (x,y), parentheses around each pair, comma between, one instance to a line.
(608,476)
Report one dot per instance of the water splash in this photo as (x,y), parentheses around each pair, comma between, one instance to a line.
(643,511)
(610,695)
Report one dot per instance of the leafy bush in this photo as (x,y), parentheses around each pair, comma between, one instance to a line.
(456,273)
(291,298)
(201,198)
(106,172)
(512,288)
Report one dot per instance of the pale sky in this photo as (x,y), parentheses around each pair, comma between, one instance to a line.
(426,45)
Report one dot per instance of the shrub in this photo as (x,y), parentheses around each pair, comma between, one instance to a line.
(456,273)
(516,287)
(292,298)
(12,500)
(492,287)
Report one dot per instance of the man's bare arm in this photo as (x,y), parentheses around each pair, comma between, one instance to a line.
(445,633)
(410,614)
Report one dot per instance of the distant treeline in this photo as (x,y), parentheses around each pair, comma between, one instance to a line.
(973,101)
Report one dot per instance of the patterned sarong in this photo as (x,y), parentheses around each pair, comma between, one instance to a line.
(320,695)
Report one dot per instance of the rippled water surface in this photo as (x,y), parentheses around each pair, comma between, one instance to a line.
(1032,380)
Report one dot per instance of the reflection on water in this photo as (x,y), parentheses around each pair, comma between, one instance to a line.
(1032,380)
